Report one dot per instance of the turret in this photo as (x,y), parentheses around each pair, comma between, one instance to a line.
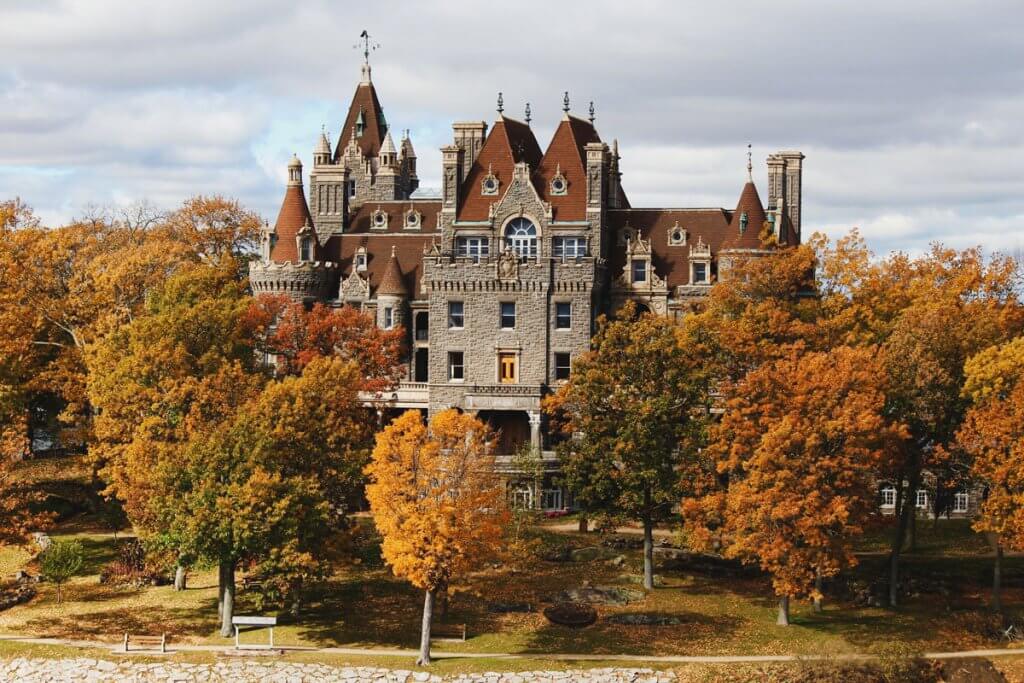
(785,193)
(322,152)
(392,295)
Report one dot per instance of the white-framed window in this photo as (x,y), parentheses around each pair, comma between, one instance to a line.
(961,500)
(522,498)
(521,237)
(888,496)
(563,315)
(456,315)
(306,249)
(699,269)
(551,499)
(639,271)
(389,317)
(563,366)
(472,247)
(569,247)
(456,366)
(508,315)
(921,502)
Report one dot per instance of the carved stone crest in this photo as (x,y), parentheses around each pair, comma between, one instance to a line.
(508,265)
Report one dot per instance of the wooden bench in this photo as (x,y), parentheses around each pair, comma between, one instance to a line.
(248,620)
(448,631)
(146,642)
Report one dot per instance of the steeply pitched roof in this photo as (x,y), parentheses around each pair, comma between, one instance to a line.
(364,101)
(392,283)
(567,152)
(294,214)
(508,143)
(408,253)
(750,204)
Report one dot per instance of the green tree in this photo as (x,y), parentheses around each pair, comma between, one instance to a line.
(636,409)
(61,561)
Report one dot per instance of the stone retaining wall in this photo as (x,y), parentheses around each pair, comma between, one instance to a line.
(81,670)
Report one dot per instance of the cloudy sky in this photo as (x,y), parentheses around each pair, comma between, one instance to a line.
(911,113)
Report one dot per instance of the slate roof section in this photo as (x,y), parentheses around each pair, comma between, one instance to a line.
(408,255)
(508,143)
(294,214)
(364,100)
(567,152)
(749,203)
(392,283)
(362,220)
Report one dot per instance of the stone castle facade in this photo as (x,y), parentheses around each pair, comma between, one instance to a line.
(499,281)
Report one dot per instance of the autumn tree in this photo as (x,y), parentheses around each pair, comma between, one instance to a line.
(796,451)
(993,435)
(437,502)
(636,407)
(18,507)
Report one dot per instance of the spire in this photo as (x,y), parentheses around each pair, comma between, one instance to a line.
(322,152)
(388,152)
(527,113)
(501,105)
(368,46)
(407,151)
(592,117)
(392,283)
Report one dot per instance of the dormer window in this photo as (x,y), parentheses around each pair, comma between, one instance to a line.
(360,260)
(677,235)
(639,271)
(559,186)
(379,220)
(489,185)
(360,124)
(305,249)
(743,222)
(699,273)
(412,219)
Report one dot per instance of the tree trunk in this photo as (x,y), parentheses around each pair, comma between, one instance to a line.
(59,596)
(817,589)
(913,527)
(648,553)
(904,511)
(228,591)
(583,524)
(428,613)
(179,577)
(220,591)
(783,619)
(997,579)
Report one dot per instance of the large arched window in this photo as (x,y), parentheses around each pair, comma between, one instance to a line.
(521,237)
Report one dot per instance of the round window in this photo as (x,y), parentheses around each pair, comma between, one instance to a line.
(412,218)
(558,185)
(378,218)
(490,184)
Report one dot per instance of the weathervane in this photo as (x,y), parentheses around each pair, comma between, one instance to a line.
(527,113)
(368,45)
(565,102)
(750,164)
(592,117)
(501,104)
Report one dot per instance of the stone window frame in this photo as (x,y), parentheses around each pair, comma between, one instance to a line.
(360,259)
(501,315)
(559,178)
(633,263)
(305,249)
(567,328)
(413,220)
(489,184)
(707,272)
(379,219)
(389,317)
(888,497)
(677,236)
(579,248)
(536,251)
(555,366)
(484,246)
(462,314)
(451,365)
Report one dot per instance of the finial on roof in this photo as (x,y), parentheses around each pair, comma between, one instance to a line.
(368,46)
(592,117)
(392,251)
(527,113)
(565,102)
(501,104)
(750,165)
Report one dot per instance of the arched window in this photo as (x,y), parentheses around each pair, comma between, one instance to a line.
(521,237)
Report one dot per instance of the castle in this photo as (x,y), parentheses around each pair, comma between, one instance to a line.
(499,281)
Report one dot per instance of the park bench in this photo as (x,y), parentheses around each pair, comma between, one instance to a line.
(448,631)
(244,620)
(146,642)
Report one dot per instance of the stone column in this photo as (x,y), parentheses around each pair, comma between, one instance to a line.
(534,416)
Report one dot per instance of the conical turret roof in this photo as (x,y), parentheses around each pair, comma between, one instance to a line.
(749,204)
(392,283)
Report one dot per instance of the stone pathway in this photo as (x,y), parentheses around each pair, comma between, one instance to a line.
(82,670)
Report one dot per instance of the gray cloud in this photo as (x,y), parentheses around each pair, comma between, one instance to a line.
(908,112)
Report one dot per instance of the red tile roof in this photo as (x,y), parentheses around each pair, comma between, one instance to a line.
(567,151)
(361,220)
(364,100)
(294,214)
(749,203)
(393,281)
(508,143)
(408,257)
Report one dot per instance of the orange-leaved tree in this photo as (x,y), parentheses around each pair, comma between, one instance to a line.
(993,436)
(437,502)
(796,451)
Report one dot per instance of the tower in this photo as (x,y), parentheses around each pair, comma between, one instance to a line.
(785,190)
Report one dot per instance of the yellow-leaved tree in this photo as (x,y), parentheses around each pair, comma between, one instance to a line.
(437,502)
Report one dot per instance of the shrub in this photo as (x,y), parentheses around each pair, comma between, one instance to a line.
(61,561)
